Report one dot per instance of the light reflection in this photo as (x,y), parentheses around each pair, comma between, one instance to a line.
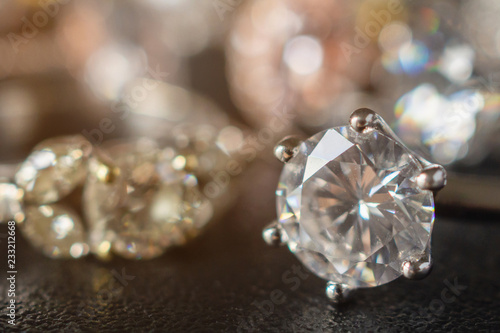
(303,55)
(11,207)
(62,226)
(108,44)
(425,45)
(423,58)
(457,62)
(413,58)
(111,68)
(292,55)
(394,36)
(447,126)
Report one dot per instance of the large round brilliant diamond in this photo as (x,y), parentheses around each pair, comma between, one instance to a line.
(351,209)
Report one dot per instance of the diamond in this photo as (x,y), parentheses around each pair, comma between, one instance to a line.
(11,207)
(351,209)
(56,230)
(138,205)
(54,169)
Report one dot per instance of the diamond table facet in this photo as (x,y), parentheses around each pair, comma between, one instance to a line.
(351,209)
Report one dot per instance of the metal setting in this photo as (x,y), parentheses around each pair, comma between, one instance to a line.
(287,148)
(337,292)
(363,120)
(273,235)
(417,269)
(432,178)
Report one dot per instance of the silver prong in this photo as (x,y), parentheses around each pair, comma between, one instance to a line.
(417,268)
(432,178)
(337,292)
(363,119)
(273,235)
(287,148)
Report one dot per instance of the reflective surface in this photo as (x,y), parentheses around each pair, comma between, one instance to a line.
(354,214)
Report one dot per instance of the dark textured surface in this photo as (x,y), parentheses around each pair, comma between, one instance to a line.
(221,281)
(216,283)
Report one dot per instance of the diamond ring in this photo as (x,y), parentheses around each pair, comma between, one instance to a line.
(355,205)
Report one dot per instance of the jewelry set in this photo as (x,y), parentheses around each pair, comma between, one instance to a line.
(354,204)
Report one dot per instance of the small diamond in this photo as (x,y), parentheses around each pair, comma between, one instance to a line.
(54,168)
(56,230)
(350,207)
(137,204)
(11,208)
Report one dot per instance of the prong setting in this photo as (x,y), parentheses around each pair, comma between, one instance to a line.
(295,199)
(363,119)
(273,234)
(337,292)
(287,148)
(417,268)
(432,178)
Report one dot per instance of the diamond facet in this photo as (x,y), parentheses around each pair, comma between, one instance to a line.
(54,168)
(351,209)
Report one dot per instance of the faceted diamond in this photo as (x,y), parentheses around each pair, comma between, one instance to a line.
(54,168)
(137,204)
(350,207)
(56,230)
(11,208)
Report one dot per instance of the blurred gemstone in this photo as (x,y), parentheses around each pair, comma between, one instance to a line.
(427,47)
(56,230)
(111,68)
(138,205)
(448,128)
(351,209)
(11,198)
(457,62)
(54,169)
(288,60)
(199,130)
